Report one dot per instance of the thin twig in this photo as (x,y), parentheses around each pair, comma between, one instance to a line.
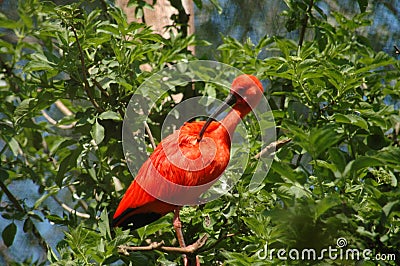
(397,50)
(274,146)
(182,18)
(81,202)
(18,206)
(54,122)
(191,249)
(147,128)
(84,71)
(70,210)
(4,253)
(152,246)
(305,22)
(282,107)
(11,197)
(105,93)
(102,90)
(396,132)
(64,109)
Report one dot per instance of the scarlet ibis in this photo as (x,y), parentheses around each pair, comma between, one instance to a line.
(195,155)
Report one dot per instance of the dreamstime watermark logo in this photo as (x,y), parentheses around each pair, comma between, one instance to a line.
(338,252)
(150,98)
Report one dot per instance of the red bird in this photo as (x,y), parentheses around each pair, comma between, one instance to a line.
(195,155)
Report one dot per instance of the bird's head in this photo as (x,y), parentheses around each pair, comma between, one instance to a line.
(247,91)
(245,94)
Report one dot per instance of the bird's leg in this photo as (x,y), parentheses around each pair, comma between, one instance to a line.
(178,229)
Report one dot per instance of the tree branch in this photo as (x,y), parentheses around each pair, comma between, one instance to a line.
(105,93)
(83,204)
(160,246)
(84,71)
(18,206)
(5,254)
(70,210)
(64,109)
(182,19)
(397,50)
(147,128)
(274,146)
(305,22)
(54,122)
(11,197)
(102,90)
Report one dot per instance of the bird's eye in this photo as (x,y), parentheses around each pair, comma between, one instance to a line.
(241,91)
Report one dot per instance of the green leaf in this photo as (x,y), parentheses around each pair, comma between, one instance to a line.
(97,132)
(14,146)
(24,108)
(257,226)
(284,170)
(38,65)
(320,139)
(217,5)
(8,23)
(52,257)
(155,227)
(104,225)
(110,115)
(28,225)
(363,4)
(325,164)
(361,163)
(389,206)
(337,157)
(198,3)
(381,59)
(351,119)
(389,156)
(9,233)
(266,40)
(3,174)
(56,219)
(41,200)
(236,258)
(68,163)
(325,204)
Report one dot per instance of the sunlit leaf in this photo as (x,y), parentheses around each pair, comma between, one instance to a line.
(97,132)
(351,119)
(110,115)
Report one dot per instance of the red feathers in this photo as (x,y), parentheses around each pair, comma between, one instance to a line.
(186,163)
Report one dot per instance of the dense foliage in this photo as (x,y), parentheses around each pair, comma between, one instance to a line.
(69,71)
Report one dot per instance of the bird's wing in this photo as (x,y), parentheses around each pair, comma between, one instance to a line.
(178,162)
(140,205)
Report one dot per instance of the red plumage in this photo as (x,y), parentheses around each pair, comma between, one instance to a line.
(196,154)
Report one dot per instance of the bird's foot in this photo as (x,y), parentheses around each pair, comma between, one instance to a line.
(188,262)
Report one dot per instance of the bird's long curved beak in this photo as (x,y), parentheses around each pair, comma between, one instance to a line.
(229,101)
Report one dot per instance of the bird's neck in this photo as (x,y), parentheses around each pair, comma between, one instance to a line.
(232,119)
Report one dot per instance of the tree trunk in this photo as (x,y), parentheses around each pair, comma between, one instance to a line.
(160,17)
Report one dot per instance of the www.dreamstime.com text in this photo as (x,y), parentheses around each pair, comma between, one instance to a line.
(338,252)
